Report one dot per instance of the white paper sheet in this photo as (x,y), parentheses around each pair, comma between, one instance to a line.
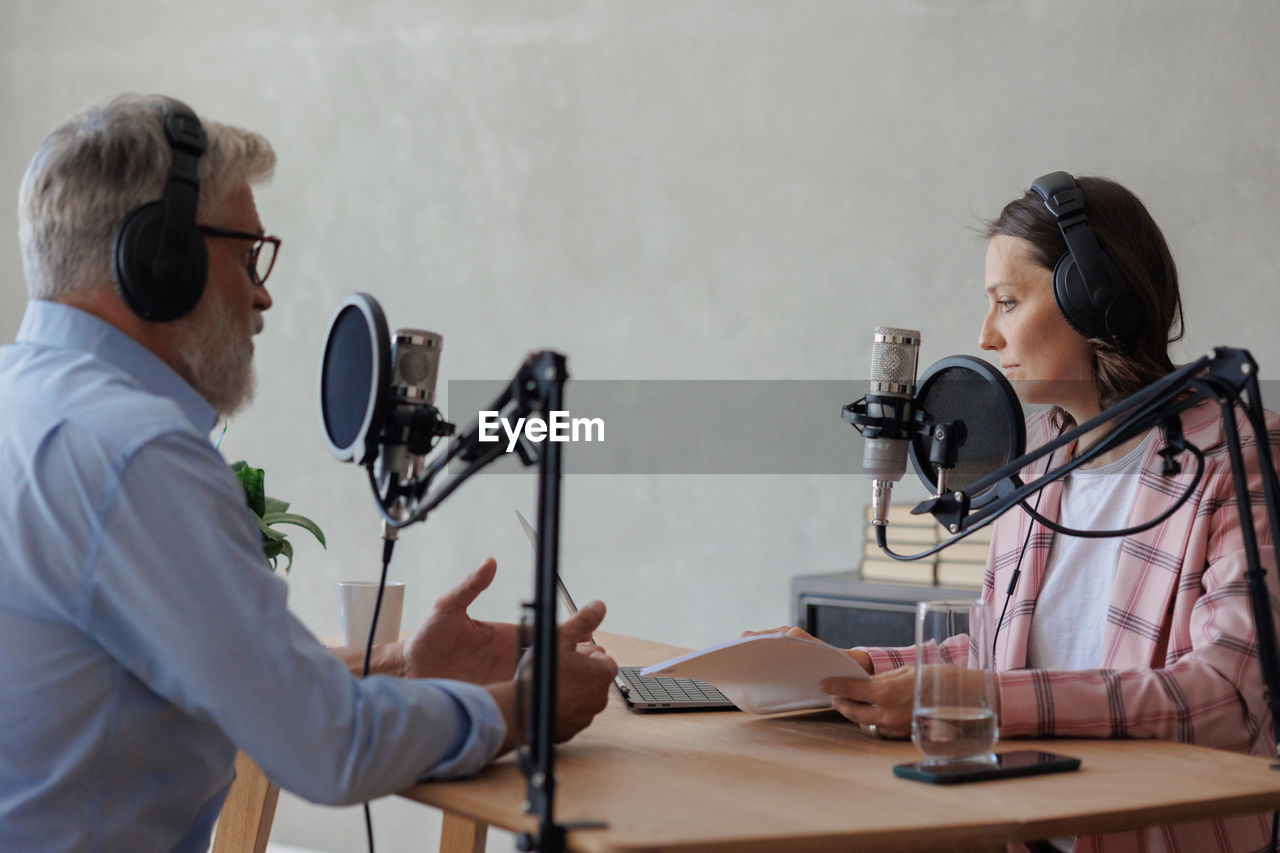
(766,673)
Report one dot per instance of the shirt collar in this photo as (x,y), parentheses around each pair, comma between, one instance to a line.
(63,327)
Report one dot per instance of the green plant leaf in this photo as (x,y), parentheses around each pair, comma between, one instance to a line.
(269,533)
(275,505)
(287,550)
(253,481)
(269,511)
(273,518)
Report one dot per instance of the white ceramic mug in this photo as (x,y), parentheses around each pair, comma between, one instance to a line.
(355,611)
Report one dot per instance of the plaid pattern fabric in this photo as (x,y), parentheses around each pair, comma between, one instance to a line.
(1179,650)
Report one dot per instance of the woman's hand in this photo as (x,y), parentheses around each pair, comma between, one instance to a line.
(882,700)
(885,700)
(798,633)
(860,657)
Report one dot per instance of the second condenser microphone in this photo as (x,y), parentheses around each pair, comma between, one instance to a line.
(895,355)
(415,365)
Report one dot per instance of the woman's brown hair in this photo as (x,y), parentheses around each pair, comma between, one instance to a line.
(1131,237)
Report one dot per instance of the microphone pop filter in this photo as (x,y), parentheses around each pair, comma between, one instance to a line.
(970,391)
(354,376)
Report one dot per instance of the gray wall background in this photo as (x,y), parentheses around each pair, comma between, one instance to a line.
(662,190)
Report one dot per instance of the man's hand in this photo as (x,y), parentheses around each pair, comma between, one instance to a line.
(450,644)
(582,688)
(585,672)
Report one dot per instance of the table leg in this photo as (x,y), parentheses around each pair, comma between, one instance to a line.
(462,834)
(245,821)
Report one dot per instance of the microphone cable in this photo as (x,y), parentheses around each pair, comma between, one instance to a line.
(1173,440)
(388,545)
(1071,465)
(1017,569)
(1127,531)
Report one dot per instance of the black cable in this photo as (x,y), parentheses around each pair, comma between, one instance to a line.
(1017,569)
(1091,534)
(1105,443)
(883,544)
(1128,531)
(1108,441)
(881,535)
(388,545)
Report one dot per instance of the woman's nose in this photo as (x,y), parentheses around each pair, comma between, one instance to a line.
(988,336)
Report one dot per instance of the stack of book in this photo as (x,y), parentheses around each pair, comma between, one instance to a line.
(961,565)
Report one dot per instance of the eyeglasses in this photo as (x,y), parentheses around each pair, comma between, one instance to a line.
(262,257)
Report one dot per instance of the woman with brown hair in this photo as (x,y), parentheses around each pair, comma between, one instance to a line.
(1146,636)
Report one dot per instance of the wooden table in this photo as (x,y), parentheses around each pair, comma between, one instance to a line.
(721,781)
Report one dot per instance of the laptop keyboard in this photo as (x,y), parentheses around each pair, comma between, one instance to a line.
(658,688)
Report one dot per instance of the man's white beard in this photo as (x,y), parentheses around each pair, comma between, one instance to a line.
(210,356)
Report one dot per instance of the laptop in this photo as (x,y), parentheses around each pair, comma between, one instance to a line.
(648,692)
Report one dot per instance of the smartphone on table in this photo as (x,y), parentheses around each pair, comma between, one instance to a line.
(1025,762)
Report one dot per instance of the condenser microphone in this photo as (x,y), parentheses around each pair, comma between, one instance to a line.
(377,402)
(406,440)
(894,357)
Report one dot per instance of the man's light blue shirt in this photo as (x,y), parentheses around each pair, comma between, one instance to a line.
(143,636)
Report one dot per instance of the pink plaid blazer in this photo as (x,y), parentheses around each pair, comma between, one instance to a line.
(1179,650)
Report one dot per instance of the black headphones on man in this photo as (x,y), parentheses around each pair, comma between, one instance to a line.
(1090,291)
(158,255)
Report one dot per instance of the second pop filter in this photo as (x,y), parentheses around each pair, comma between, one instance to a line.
(971,392)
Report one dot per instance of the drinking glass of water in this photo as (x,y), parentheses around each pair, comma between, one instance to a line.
(953,709)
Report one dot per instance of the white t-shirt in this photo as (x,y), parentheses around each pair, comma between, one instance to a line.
(1071,611)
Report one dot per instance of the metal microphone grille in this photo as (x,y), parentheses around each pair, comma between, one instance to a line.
(893,360)
(416,363)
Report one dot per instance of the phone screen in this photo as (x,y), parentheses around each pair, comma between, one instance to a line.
(1007,764)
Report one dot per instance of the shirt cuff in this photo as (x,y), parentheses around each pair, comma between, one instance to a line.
(883,660)
(482,730)
(1021,692)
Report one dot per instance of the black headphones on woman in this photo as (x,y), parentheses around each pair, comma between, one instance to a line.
(158,255)
(1090,291)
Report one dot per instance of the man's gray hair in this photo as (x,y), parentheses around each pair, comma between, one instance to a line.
(98,166)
